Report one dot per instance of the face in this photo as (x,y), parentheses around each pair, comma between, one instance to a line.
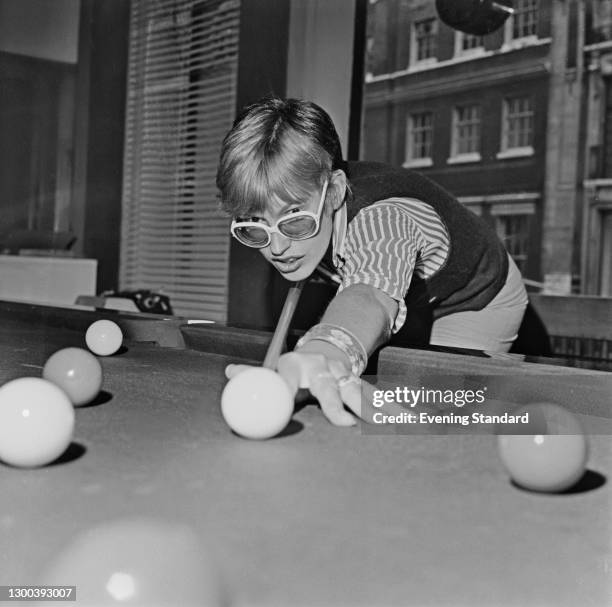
(297,259)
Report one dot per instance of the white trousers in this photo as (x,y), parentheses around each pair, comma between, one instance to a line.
(493,328)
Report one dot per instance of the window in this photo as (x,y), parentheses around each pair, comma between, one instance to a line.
(424,41)
(419,138)
(465,145)
(524,21)
(468,44)
(181,100)
(517,127)
(602,22)
(377,39)
(513,221)
(606,254)
(513,230)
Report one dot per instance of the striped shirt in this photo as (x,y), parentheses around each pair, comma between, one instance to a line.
(386,243)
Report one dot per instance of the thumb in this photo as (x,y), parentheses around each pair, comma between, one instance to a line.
(290,370)
(233,370)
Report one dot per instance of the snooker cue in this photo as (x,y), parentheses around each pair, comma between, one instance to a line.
(282,328)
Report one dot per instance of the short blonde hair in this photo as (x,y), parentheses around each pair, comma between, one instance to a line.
(277,148)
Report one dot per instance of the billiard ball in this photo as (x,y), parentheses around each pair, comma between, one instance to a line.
(553,457)
(36,422)
(257,403)
(77,372)
(145,562)
(104,337)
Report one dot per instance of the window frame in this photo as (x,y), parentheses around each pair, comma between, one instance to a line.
(414,43)
(459,51)
(472,155)
(410,160)
(506,150)
(503,210)
(510,41)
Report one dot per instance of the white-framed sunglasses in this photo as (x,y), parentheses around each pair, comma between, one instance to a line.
(297,226)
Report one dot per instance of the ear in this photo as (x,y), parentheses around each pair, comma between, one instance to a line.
(337,185)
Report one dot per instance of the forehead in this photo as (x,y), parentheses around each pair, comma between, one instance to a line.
(277,203)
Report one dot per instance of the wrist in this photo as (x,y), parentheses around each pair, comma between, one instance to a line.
(340,341)
(331,352)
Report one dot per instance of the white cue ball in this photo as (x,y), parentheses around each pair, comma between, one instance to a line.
(257,403)
(104,337)
(36,422)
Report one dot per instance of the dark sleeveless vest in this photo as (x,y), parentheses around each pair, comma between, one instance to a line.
(477,263)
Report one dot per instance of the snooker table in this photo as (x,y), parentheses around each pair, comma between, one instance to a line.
(319,515)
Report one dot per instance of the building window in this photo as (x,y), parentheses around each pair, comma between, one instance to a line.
(524,21)
(517,127)
(468,44)
(419,139)
(465,146)
(601,29)
(513,225)
(377,39)
(606,254)
(424,41)
(513,231)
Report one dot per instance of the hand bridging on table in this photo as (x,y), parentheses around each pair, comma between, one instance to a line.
(329,381)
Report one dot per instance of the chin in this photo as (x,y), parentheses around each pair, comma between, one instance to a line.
(302,273)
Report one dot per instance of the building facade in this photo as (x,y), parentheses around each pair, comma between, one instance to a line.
(504,121)
(596,209)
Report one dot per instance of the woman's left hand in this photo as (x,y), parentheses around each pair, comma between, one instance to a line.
(329,381)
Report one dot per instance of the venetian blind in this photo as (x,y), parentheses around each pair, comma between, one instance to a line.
(181,100)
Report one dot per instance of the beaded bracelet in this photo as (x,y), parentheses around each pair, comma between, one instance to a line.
(342,339)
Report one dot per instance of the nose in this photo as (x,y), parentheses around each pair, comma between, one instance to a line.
(279,244)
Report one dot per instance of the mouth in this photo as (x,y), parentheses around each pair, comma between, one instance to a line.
(287,264)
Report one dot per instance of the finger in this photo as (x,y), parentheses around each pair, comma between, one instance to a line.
(358,394)
(338,369)
(349,386)
(290,369)
(350,392)
(324,388)
(368,410)
(233,370)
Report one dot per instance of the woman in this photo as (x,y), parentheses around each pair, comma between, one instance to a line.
(406,251)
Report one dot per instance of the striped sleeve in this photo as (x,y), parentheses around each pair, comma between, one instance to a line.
(382,246)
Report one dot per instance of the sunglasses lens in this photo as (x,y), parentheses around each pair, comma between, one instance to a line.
(252,236)
(298,227)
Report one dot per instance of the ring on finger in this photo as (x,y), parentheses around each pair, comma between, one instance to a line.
(348,379)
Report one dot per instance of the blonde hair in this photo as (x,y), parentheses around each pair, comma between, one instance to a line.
(277,148)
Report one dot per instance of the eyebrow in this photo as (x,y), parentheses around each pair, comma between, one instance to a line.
(283,208)
(287,206)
